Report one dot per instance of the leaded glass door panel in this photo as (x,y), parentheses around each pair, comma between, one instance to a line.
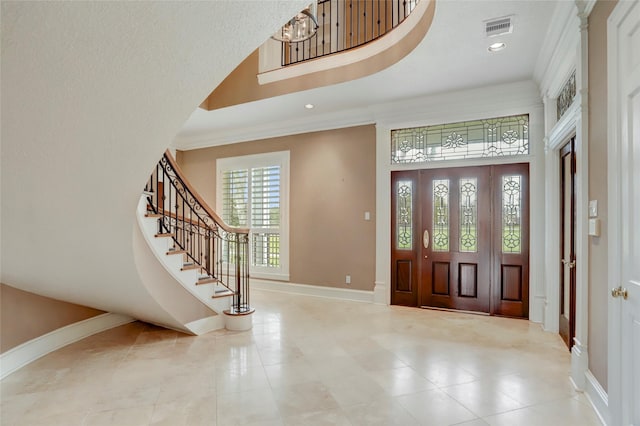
(510,275)
(455,240)
(405,222)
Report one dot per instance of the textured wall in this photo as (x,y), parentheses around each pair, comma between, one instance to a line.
(92,94)
(332,180)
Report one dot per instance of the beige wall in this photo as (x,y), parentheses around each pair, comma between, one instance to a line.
(25,316)
(598,285)
(332,178)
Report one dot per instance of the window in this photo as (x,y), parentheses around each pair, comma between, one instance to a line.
(494,137)
(253,192)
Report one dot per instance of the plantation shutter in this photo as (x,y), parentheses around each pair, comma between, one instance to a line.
(265,216)
(252,191)
(235,207)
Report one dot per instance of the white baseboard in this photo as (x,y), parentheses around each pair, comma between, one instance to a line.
(536,312)
(381,294)
(21,355)
(579,364)
(314,290)
(598,397)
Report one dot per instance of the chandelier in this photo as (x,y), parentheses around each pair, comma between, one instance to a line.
(300,28)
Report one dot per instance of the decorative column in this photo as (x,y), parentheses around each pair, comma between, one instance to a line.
(579,352)
(382,290)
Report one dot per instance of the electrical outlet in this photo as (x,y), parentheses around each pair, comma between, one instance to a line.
(347,279)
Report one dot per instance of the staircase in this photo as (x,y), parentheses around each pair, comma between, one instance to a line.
(202,254)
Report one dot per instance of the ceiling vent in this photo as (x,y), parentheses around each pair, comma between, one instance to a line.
(499,26)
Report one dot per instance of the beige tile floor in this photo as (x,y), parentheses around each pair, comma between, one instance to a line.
(307,361)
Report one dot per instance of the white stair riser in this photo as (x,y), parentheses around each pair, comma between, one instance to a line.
(174,262)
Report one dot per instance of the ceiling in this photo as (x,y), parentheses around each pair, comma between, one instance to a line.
(453,56)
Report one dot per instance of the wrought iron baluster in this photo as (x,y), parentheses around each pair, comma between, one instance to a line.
(194,230)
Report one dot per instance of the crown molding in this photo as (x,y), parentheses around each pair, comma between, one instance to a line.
(330,121)
(470,104)
(557,57)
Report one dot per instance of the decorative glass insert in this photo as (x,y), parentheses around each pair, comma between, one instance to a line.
(511,214)
(404,215)
(566,96)
(440,215)
(494,137)
(468,215)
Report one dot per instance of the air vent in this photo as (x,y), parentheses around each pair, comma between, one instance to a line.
(496,27)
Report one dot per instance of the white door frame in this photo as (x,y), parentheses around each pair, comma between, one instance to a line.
(515,98)
(573,123)
(616,94)
(570,54)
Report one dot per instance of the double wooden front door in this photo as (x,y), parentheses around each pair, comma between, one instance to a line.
(460,239)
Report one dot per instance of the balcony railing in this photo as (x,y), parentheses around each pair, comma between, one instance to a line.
(346,24)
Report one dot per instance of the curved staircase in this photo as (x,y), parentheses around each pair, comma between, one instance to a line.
(193,248)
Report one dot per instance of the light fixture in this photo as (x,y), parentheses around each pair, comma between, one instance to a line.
(496,47)
(301,27)
(309,106)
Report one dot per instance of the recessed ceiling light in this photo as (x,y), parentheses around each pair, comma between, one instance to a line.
(496,47)
(309,106)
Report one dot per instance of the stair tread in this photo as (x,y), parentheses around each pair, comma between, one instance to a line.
(170,252)
(223,292)
(153,215)
(165,235)
(187,267)
(207,280)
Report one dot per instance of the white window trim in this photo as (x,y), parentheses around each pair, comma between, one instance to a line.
(279,158)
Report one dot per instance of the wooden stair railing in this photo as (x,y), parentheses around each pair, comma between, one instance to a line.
(219,251)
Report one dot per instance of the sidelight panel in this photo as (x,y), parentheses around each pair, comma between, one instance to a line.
(404,215)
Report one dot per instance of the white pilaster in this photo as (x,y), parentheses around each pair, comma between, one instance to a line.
(579,364)
(579,358)
(382,291)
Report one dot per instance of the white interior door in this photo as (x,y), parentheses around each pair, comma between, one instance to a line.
(624,213)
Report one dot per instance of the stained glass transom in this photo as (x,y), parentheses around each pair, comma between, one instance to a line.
(511,214)
(404,215)
(440,215)
(567,94)
(468,215)
(494,137)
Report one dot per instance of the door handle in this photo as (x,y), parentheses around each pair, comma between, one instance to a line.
(571,264)
(425,238)
(618,292)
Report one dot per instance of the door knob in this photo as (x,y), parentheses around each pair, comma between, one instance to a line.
(571,264)
(425,239)
(618,292)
